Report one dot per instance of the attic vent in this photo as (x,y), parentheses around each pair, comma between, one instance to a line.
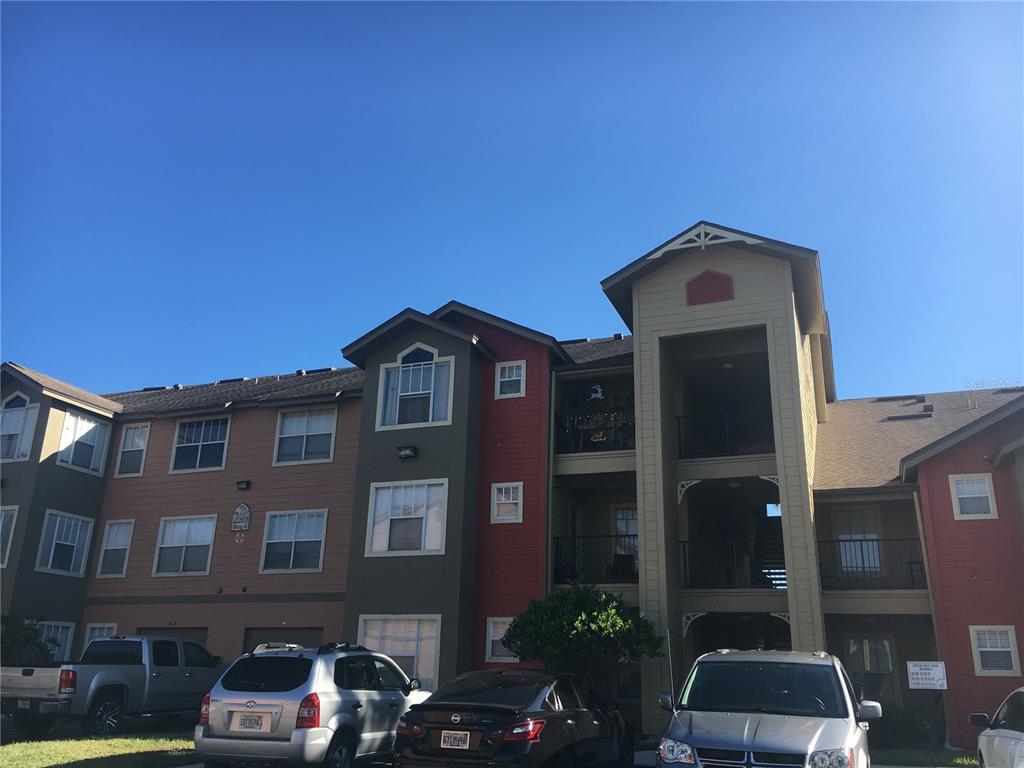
(895,398)
(177,386)
(617,337)
(905,416)
(300,372)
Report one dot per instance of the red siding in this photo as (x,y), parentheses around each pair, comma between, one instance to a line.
(511,557)
(977,571)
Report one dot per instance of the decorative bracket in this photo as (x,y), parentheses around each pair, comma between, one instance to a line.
(704,235)
(771,479)
(682,487)
(783,616)
(689,617)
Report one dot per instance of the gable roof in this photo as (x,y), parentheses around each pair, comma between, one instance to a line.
(356,351)
(810,301)
(62,390)
(865,440)
(458,308)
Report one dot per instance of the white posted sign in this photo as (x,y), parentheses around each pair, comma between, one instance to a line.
(928,675)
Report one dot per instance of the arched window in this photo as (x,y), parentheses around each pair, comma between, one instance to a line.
(416,389)
(17,427)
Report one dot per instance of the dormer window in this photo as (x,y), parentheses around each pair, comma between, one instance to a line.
(416,390)
(17,427)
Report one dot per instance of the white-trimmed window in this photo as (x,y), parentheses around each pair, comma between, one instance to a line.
(8,516)
(510,379)
(416,390)
(412,641)
(305,436)
(973,497)
(995,651)
(83,442)
(17,427)
(407,518)
(132,457)
(64,545)
(98,632)
(184,546)
(507,502)
(294,541)
(117,541)
(57,635)
(200,445)
(497,626)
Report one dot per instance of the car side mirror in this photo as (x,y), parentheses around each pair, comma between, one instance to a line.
(665,702)
(215,661)
(412,685)
(869,710)
(979,720)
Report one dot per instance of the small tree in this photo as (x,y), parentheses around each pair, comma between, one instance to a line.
(576,628)
(21,642)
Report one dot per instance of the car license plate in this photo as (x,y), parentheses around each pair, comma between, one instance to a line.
(250,722)
(454,739)
(24,704)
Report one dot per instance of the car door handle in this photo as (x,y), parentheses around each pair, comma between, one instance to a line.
(188,674)
(571,723)
(393,704)
(157,674)
(597,722)
(357,705)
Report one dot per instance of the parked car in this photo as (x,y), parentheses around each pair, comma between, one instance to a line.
(1001,744)
(117,677)
(304,706)
(513,717)
(786,709)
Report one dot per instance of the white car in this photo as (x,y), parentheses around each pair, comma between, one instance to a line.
(1001,744)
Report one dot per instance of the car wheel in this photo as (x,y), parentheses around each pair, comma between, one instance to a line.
(341,754)
(106,716)
(33,726)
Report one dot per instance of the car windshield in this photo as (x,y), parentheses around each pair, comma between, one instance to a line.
(775,688)
(496,689)
(272,674)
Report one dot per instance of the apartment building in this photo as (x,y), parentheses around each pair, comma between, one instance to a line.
(702,467)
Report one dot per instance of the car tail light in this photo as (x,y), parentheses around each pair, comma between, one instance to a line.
(68,681)
(309,712)
(204,711)
(525,731)
(405,728)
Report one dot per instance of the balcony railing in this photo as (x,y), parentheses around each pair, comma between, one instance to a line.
(611,430)
(721,437)
(733,564)
(871,563)
(596,560)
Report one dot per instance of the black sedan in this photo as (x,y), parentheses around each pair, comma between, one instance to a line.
(513,718)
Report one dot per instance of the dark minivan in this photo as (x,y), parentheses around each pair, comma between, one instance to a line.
(506,718)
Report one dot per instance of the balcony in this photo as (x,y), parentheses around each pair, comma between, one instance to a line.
(733,563)
(595,414)
(850,563)
(596,559)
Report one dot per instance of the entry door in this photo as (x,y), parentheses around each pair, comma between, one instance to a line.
(165,676)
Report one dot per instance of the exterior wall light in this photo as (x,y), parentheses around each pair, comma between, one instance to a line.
(243,485)
(407,451)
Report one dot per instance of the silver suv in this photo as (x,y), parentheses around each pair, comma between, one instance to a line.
(283,703)
(784,709)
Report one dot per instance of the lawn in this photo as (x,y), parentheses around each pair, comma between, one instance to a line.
(932,758)
(129,752)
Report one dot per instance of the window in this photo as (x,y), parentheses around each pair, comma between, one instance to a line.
(117,540)
(305,436)
(869,655)
(416,390)
(995,651)
(973,498)
(200,445)
(496,650)
(165,653)
(17,427)
(7,517)
(184,546)
(134,439)
(625,553)
(390,678)
(410,641)
(57,635)
(1010,715)
(507,503)
(355,673)
(858,553)
(64,544)
(294,541)
(196,655)
(407,518)
(510,380)
(83,442)
(99,632)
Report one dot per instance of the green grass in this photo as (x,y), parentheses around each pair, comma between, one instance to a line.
(931,758)
(128,752)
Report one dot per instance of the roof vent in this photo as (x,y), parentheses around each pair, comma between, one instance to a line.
(319,370)
(155,389)
(617,336)
(177,386)
(895,398)
(300,372)
(906,416)
(928,408)
(1009,390)
(231,381)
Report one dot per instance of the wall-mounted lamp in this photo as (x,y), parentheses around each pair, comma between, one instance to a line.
(407,451)
(243,485)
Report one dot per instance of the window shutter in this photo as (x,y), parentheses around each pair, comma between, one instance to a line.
(67,437)
(28,430)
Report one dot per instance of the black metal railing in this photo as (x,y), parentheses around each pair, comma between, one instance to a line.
(700,438)
(871,563)
(609,430)
(596,559)
(733,564)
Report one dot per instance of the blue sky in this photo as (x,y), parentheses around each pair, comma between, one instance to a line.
(199,191)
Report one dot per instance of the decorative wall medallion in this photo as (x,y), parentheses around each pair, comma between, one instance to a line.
(240,517)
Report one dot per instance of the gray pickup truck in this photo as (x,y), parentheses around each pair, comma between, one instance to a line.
(117,677)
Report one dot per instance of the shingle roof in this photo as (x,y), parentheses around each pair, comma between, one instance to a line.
(63,388)
(861,447)
(322,382)
(595,350)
